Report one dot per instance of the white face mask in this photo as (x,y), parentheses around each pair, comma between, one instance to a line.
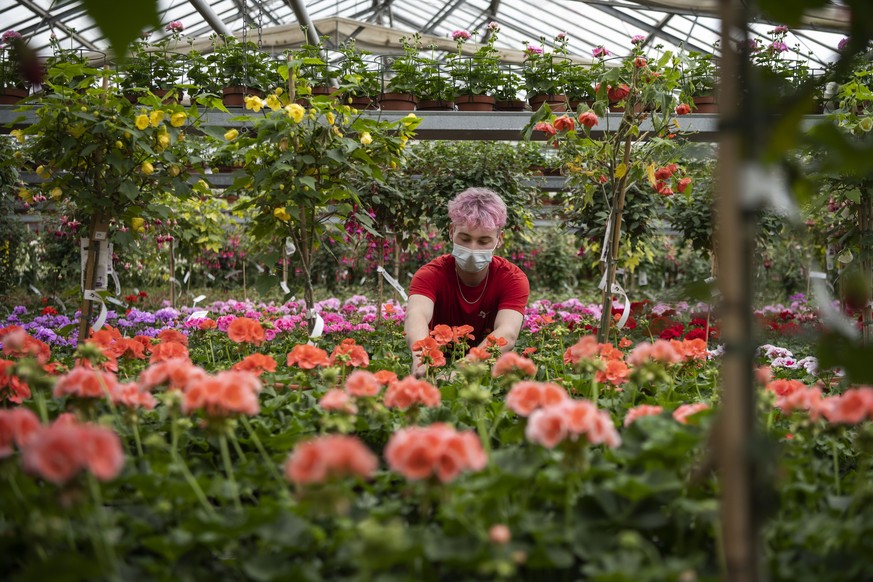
(470,260)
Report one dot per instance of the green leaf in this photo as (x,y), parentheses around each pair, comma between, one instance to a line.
(122,22)
(789,13)
(266,283)
(836,350)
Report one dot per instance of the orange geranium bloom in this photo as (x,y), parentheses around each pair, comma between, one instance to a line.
(12,388)
(348,353)
(478,354)
(307,357)
(462,333)
(128,347)
(19,344)
(496,341)
(442,334)
(410,391)
(363,383)
(615,372)
(176,373)
(329,457)
(105,337)
(385,377)
(207,324)
(256,364)
(246,330)
(511,362)
(172,335)
(168,350)
(85,383)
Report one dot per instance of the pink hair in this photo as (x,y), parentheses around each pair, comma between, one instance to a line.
(478,208)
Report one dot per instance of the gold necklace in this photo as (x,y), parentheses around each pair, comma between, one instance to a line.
(458,279)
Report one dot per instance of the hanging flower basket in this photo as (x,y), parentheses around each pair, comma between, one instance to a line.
(235,96)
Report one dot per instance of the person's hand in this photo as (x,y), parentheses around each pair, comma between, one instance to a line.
(418,370)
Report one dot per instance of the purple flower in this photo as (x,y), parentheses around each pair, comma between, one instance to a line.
(781,29)
(461,35)
(751,45)
(167,314)
(175,26)
(493,26)
(844,42)
(533,50)
(561,36)
(599,52)
(778,46)
(9,36)
(638,39)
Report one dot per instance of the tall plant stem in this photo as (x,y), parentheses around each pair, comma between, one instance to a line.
(228,469)
(105,551)
(186,473)
(263,452)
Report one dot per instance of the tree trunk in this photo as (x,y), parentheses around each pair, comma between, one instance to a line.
(736,229)
(97,231)
(612,251)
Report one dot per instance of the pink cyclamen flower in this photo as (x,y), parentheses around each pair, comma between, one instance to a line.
(461,35)
(599,52)
(638,39)
(175,26)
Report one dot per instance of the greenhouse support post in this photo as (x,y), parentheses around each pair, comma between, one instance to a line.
(735,429)
(865,224)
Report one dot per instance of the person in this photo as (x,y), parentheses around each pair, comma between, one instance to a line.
(470,286)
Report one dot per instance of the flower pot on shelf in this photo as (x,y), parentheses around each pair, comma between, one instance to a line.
(435,105)
(363,103)
(397,101)
(511,105)
(574,105)
(705,104)
(12,95)
(638,108)
(557,103)
(235,96)
(167,97)
(475,102)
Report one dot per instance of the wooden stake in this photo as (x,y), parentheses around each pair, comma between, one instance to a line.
(99,224)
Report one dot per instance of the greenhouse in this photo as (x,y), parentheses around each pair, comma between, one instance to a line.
(457,290)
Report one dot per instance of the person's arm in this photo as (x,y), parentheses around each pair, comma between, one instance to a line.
(507,324)
(419,312)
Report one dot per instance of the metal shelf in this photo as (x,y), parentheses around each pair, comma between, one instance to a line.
(450,125)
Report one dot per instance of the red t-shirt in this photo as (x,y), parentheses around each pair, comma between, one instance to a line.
(506,287)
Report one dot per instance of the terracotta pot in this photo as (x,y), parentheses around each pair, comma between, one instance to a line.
(512,105)
(362,103)
(316,92)
(165,97)
(638,108)
(705,104)
(557,103)
(12,95)
(574,105)
(235,96)
(435,105)
(475,103)
(397,101)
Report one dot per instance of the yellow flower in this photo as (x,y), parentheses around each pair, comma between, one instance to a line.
(178,119)
(295,111)
(142,121)
(330,117)
(231,135)
(25,195)
(156,117)
(56,193)
(174,170)
(336,131)
(279,91)
(43,172)
(273,103)
(282,214)
(366,138)
(163,141)
(409,119)
(403,140)
(137,224)
(17,134)
(254,103)
(147,168)
(118,145)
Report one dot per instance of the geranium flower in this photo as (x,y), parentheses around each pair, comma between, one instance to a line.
(682,413)
(564,123)
(307,357)
(168,351)
(640,411)
(17,425)
(348,353)
(526,396)
(588,119)
(246,330)
(12,388)
(599,52)
(364,383)
(461,35)
(61,451)
(511,362)
(411,392)
(175,26)
(437,451)
(683,109)
(330,457)
(257,364)
(339,401)
(84,382)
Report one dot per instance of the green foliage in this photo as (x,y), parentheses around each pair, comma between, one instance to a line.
(241,63)
(122,22)
(405,74)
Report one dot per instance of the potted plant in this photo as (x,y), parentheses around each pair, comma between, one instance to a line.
(313,76)
(545,73)
(476,77)
(435,90)
(13,87)
(699,82)
(67,66)
(201,72)
(580,87)
(506,93)
(399,93)
(242,69)
(153,66)
(358,76)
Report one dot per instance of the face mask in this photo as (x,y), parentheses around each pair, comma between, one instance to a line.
(470,260)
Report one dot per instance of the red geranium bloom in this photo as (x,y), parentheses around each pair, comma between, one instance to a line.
(307,357)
